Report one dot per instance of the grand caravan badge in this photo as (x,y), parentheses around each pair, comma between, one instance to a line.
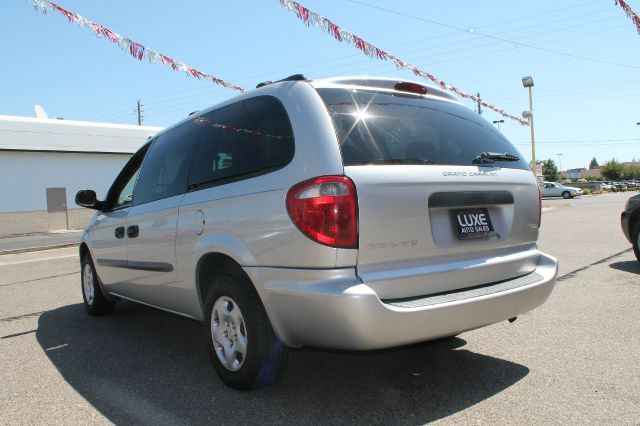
(469,174)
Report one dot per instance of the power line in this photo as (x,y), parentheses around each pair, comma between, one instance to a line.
(452,51)
(542,14)
(459,30)
(469,48)
(209,89)
(504,40)
(525,36)
(491,52)
(555,89)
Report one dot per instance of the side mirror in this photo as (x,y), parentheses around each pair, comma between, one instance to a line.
(87,198)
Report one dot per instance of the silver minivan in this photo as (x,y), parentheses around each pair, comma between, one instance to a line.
(349,213)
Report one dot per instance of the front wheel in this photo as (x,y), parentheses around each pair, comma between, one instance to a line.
(241,343)
(566,194)
(635,238)
(94,301)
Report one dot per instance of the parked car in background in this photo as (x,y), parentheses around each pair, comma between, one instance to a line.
(630,221)
(350,213)
(606,186)
(554,189)
(620,186)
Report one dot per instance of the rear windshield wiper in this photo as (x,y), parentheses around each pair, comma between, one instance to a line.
(492,157)
(398,161)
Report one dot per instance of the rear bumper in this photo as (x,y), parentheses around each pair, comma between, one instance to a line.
(333,309)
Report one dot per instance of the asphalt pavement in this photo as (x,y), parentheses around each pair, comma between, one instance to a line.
(573,360)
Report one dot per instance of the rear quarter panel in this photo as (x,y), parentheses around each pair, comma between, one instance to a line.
(248,220)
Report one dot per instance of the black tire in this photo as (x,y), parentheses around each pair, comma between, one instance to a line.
(265,356)
(566,194)
(94,300)
(635,240)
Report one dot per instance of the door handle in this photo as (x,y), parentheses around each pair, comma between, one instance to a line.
(133,231)
(119,232)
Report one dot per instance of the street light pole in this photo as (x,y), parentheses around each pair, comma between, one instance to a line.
(560,161)
(528,83)
(533,145)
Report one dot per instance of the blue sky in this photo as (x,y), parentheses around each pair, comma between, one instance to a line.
(585,96)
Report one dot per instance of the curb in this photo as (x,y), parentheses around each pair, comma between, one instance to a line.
(40,248)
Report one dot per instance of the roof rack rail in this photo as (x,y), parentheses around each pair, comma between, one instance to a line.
(294,77)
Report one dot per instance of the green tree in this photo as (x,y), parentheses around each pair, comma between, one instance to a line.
(593,163)
(549,170)
(631,172)
(612,170)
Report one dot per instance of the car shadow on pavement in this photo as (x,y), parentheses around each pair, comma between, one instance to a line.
(628,266)
(144,366)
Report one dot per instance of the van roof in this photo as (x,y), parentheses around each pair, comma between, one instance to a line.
(381,83)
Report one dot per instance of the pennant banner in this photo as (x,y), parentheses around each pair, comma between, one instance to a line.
(227,127)
(311,18)
(136,50)
(630,13)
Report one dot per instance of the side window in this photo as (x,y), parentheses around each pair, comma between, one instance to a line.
(243,139)
(121,192)
(125,196)
(166,167)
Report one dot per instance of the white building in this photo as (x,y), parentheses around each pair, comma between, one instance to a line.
(44,162)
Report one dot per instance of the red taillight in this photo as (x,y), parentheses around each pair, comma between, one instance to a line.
(411,88)
(539,206)
(325,209)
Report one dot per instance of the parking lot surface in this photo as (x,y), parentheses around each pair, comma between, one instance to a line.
(573,360)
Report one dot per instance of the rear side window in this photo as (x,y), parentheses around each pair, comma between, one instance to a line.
(382,128)
(166,167)
(242,140)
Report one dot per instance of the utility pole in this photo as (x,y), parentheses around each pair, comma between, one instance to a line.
(140,117)
(479,106)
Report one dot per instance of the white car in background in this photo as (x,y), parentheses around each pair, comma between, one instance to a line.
(606,186)
(554,189)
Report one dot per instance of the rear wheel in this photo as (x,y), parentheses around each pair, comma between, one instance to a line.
(94,300)
(241,343)
(566,194)
(635,239)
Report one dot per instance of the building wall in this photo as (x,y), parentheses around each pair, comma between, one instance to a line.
(23,223)
(25,176)
(590,173)
(18,223)
(36,154)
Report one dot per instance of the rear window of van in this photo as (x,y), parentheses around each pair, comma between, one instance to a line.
(388,128)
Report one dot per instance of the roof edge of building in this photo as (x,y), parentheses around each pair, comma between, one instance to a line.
(74,123)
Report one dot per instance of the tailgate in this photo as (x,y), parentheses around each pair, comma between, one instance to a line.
(417,227)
